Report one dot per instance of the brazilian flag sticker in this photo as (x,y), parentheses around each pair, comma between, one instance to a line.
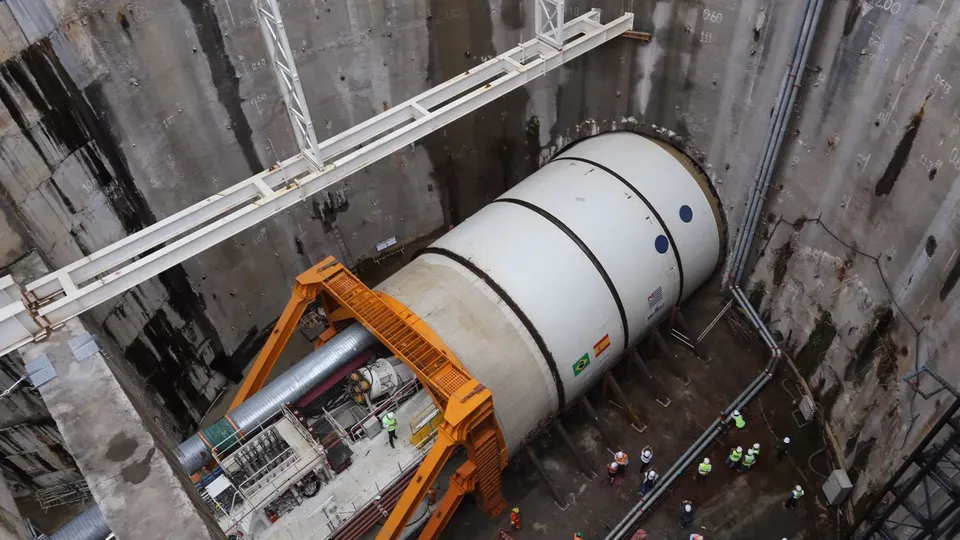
(581,364)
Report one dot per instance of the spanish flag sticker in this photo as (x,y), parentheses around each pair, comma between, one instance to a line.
(581,364)
(601,345)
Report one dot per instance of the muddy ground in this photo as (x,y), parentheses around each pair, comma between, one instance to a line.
(729,506)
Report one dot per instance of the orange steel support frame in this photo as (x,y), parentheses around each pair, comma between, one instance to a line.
(466,404)
(305,291)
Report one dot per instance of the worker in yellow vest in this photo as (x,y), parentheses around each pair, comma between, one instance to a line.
(390,424)
(794,496)
(703,470)
(738,420)
(748,461)
(733,460)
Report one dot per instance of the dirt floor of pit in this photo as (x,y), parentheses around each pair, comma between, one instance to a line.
(730,506)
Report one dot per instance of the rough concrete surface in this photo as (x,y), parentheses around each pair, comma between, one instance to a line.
(142,492)
(11,523)
(117,113)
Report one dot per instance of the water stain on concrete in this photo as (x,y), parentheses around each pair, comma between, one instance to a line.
(901,155)
(469,176)
(819,342)
(951,281)
(931,246)
(784,253)
(873,344)
(224,76)
(79,122)
(120,448)
(864,450)
(138,471)
(850,19)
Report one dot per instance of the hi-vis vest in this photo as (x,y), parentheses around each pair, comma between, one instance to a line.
(748,460)
(740,422)
(735,456)
(705,468)
(388,424)
(797,494)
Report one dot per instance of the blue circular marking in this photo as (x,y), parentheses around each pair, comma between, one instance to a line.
(686,214)
(662,244)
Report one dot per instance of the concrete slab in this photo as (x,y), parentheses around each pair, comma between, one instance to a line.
(142,492)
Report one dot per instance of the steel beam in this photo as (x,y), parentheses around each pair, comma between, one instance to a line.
(281,55)
(548,21)
(55,298)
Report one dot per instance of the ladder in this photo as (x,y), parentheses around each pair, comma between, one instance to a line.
(467,405)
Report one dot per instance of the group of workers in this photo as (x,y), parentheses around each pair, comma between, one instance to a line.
(736,459)
(742,462)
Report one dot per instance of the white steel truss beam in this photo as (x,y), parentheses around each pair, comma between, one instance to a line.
(278,46)
(69,291)
(548,21)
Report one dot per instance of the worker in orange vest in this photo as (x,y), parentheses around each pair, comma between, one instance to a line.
(515,522)
(622,461)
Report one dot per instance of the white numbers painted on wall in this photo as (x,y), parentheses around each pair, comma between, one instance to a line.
(706,37)
(955,158)
(89,185)
(261,63)
(168,121)
(942,85)
(886,5)
(712,16)
(929,164)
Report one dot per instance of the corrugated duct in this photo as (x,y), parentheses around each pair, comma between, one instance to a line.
(89,525)
(193,453)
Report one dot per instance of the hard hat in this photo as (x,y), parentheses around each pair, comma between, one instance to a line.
(391,416)
(786,440)
(688,508)
(613,464)
(739,449)
(647,453)
(750,452)
(516,510)
(798,488)
(736,413)
(706,460)
(620,454)
(756,445)
(579,535)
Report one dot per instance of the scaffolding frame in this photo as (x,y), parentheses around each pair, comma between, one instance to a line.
(922,499)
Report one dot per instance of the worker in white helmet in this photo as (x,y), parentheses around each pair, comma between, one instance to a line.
(612,470)
(686,514)
(738,420)
(622,461)
(703,470)
(390,425)
(793,497)
(756,450)
(646,457)
(649,481)
(782,447)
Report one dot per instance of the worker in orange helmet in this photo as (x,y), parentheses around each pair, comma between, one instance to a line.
(515,522)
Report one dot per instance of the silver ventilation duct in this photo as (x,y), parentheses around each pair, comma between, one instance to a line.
(193,453)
